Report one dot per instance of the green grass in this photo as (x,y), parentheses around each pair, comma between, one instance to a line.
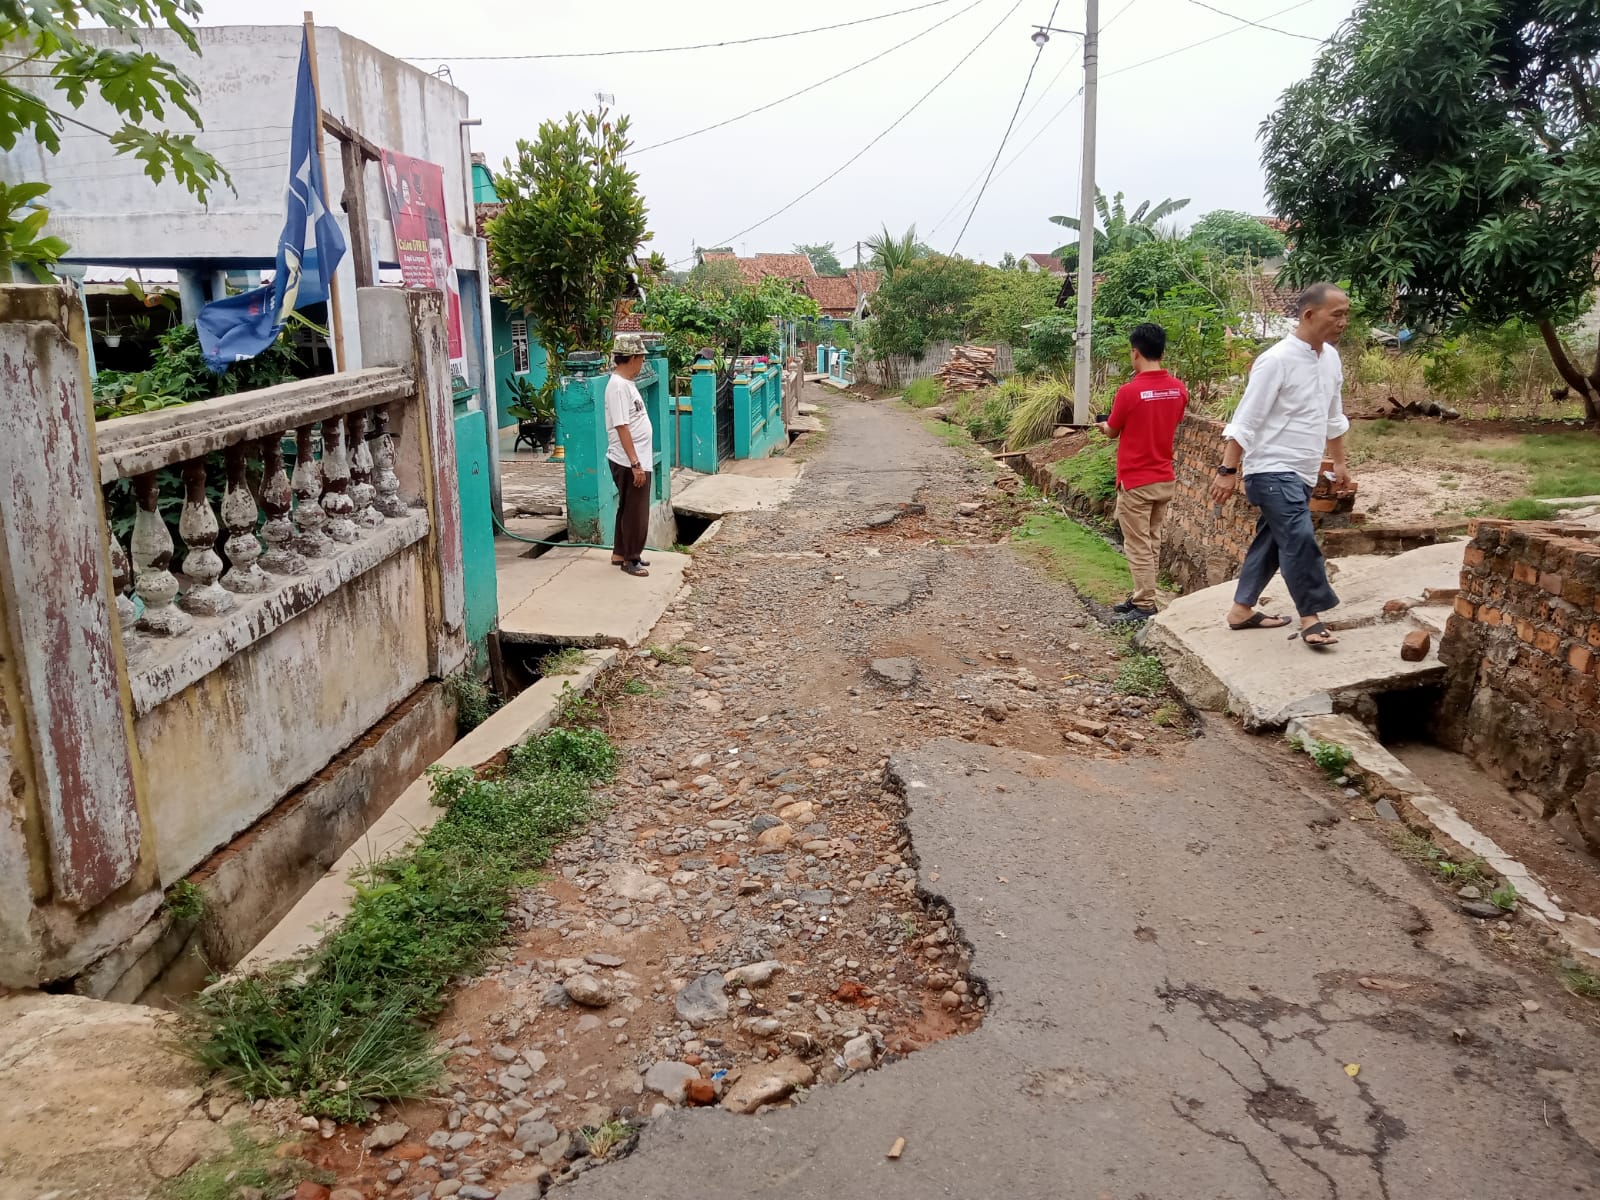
(671,656)
(1141,675)
(185,901)
(474,700)
(563,662)
(1092,471)
(251,1164)
(1331,758)
(1581,982)
(1525,509)
(1562,464)
(950,435)
(1078,555)
(346,1028)
(1033,420)
(1461,874)
(923,393)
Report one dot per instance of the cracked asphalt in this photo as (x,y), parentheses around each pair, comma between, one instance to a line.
(1203,983)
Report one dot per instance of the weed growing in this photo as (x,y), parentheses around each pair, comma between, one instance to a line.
(1505,897)
(251,1165)
(671,656)
(1460,874)
(603,1139)
(1581,982)
(574,709)
(185,901)
(568,661)
(474,701)
(345,1029)
(1524,509)
(1077,554)
(1141,675)
(1331,758)
(1092,471)
(922,393)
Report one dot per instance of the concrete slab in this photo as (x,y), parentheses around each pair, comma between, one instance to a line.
(806,425)
(712,496)
(575,597)
(806,409)
(1268,679)
(410,816)
(541,529)
(1580,933)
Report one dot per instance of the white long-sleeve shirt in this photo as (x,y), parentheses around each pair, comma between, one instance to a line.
(1292,408)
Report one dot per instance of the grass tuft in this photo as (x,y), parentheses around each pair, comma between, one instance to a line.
(185,901)
(346,1028)
(1092,471)
(568,661)
(1331,758)
(923,393)
(1082,557)
(474,701)
(671,656)
(1524,509)
(250,1164)
(1034,419)
(1141,675)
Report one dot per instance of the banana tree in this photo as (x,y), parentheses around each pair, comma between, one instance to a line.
(1118,229)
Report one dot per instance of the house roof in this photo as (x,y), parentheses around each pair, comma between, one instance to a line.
(1047,262)
(836,294)
(780,266)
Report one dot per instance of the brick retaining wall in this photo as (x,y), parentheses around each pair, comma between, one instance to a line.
(1522,697)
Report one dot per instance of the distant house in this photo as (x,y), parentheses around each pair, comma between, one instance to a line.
(794,267)
(836,295)
(1049,264)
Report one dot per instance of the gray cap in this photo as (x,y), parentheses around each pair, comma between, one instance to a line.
(628,345)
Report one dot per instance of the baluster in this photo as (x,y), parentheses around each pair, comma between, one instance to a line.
(309,519)
(198,527)
(127,610)
(384,479)
(239,515)
(152,556)
(278,498)
(336,502)
(362,493)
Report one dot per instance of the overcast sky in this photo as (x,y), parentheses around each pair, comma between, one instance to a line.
(1184,126)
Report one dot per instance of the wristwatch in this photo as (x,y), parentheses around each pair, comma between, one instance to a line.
(1227,470)
(634,465)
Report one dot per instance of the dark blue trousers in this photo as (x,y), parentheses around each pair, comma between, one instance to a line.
(1285,541)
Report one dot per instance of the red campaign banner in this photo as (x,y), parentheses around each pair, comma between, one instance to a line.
(422,234)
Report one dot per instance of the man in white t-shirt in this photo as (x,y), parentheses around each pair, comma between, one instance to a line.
(1291,416)
(630,453)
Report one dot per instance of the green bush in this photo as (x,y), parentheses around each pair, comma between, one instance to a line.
(986,414)
(1034,419)
(923,393)
(1092,471)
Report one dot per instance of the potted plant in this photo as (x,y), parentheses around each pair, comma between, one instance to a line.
(535,412)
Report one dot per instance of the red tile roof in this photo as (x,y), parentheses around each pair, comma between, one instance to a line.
(836,294)
(1047,262)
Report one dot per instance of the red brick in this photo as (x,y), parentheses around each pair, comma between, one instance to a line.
(1465,607)
(1551,582)
(1524,630)
(1580,658)
(1473,556)
(1415,646)
(1489,615)
(702,1092)
(1524,573)
(1594,635)
(1547,640)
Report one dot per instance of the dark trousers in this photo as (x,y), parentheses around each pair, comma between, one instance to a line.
(1285,541)
(633,514)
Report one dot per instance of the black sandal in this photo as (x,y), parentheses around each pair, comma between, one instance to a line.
(1323,643)
(1259,620)
(634,568)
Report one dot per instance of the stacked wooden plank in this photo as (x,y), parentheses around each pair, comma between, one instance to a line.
(968,369)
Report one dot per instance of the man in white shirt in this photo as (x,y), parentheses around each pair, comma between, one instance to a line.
(1292,412)
(630,452)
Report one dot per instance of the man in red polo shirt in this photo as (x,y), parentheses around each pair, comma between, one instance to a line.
(1143,419)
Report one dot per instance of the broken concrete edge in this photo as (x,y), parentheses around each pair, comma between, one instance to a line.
(1388,778)
(899,785)
(319,912)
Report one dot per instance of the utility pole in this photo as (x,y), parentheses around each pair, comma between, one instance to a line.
(1083,374)
(855,316)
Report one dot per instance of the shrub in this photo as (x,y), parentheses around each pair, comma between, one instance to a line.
(923,393)
(1034,418)
(1092,471)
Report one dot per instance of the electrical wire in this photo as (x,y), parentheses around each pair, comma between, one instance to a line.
(766,37)
(1202,42)
(821,82)
(732,238)
(1038,52)
(1306,37)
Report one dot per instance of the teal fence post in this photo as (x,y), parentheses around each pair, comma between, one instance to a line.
(703,420)
(581,422)
(742,413)
(776,430)
(663,422)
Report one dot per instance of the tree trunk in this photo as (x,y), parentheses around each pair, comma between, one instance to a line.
(1586,386)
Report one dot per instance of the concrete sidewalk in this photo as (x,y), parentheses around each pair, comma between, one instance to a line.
(1267,679)
(1200,988)
(573,596)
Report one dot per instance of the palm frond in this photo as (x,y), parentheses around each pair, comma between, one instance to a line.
(1069,222)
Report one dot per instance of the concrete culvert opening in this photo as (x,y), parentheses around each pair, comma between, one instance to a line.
(692,528)
(1409,716)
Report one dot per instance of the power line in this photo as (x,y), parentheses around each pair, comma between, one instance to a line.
(1038,52)
(821,82)
(1269,28)
(766,37)
(1203,41)
(728,241)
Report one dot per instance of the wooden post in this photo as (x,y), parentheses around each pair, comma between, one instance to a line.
(335,313)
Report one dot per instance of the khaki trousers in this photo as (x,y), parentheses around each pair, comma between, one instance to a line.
(1141,512)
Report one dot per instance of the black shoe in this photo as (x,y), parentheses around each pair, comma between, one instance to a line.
(1134,616)
(1124,607)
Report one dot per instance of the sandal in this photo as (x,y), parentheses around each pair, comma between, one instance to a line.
(1259,620)
(634,568)
(1320,632)
(617,562)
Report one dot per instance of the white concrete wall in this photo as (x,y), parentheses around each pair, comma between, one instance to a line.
(109,211)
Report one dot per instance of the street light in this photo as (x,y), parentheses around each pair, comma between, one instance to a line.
(1041,33)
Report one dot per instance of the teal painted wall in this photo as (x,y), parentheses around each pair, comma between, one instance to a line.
(581,427)
(477,529)
(505,358)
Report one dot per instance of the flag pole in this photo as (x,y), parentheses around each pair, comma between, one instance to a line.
(335,313)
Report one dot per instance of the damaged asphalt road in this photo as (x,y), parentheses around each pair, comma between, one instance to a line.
(1198,989)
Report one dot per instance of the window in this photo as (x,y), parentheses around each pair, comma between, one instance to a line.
(519,347)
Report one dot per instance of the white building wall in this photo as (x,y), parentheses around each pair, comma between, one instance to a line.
(108,211)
